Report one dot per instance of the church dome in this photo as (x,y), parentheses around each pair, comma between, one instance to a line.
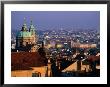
(24,34)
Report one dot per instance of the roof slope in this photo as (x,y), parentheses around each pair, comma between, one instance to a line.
(25,60)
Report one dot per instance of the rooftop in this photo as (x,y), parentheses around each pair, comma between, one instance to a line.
(25,60)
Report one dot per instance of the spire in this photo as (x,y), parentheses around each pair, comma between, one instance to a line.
(24,20)
(31,29)
(24,28)
(31,20)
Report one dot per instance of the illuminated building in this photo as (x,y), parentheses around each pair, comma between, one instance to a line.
(26,39)
(82,45)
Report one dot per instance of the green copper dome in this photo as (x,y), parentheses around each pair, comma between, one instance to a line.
(24,34)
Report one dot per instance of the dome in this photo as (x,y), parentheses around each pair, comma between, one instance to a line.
(24,34)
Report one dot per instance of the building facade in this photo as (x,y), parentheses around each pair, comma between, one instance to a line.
(26,39)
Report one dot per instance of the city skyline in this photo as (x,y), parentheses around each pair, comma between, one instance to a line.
(47,44)
(48,20)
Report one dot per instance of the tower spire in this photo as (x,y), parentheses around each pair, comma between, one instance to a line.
(31,29)
(24,28)
(24,20)
(31,20)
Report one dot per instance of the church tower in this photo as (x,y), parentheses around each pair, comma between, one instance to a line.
(26,40)
(32,29)
(24,27)
(33,32)
(34,37)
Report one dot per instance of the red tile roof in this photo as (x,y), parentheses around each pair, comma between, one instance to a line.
(25,60)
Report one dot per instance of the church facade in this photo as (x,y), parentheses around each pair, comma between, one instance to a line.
(26,39)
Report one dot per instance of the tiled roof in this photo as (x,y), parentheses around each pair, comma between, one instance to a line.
(25,60)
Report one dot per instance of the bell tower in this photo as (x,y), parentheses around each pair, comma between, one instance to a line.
(24,27)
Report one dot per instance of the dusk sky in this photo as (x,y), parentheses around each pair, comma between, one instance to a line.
(56,19)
